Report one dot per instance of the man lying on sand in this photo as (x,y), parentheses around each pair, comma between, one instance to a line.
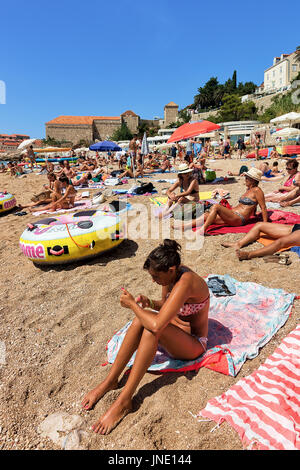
(179,322)
(284,237)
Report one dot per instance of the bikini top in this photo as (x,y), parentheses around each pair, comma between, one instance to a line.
(191,309)
(247,201)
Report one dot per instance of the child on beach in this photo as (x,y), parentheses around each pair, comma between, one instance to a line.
(178,321)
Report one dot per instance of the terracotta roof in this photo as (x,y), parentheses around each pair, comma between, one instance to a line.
(129,112)
(171,104)
(81,119)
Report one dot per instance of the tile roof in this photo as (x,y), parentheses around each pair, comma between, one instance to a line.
(129,112)
(81,119)
(171,104)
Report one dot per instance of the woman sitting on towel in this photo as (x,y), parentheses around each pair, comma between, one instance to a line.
(178,322)
(237,215)
(189,190)
(284,236)
(63,197)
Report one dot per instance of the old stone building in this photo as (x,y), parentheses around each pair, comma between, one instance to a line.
(91,128)
(170,113)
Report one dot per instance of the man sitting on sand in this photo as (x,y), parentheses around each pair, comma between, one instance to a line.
(284,236)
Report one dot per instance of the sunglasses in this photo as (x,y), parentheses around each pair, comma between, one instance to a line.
(288,168)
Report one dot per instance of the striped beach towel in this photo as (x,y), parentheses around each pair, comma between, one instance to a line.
(264,408)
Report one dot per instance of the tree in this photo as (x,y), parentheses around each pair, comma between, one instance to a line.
(122,133)
(233,109)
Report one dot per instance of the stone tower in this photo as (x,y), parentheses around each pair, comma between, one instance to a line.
(170,113)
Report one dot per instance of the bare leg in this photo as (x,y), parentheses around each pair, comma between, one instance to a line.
(271,229)
(221,215)
(293,239)
(184,345)
(128,347)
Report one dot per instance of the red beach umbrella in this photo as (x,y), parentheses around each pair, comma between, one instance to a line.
(191,129)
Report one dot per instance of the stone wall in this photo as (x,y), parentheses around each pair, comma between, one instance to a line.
(132,122)
(72,133)
(171,114)
(104,129)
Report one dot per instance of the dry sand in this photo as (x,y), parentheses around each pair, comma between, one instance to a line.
(55,323)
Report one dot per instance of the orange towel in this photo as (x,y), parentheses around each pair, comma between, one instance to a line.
(264,240)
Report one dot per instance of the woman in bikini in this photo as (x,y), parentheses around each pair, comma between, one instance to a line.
(237,215)
(189,190)
(178,322)
(63,196)
(288,190)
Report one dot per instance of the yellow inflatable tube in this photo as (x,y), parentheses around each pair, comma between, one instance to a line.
(65,239)
(7,202)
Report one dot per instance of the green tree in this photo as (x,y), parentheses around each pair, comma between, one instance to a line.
(122,133)
(233,109)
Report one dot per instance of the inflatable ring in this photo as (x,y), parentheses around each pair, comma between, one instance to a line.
(72,237)
(7,202)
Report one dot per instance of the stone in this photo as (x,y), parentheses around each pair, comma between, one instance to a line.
(64,430)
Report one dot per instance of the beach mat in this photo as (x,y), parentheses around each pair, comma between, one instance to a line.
(265,241)
(263,407)
(162,200)
(277,216)
(239,325)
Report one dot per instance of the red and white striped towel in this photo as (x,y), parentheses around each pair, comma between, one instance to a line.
(264,408)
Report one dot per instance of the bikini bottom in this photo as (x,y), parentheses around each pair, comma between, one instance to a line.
(241,216)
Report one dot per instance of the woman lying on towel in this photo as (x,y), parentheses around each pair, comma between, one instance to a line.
(178,322)
(282,193)
(238,215)
(284,236)
(189,190)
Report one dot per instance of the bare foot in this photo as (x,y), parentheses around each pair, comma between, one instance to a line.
(242,255)
(230,245)
(118,410)
(98,392)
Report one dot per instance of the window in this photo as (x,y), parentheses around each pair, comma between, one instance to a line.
(280,69)
(294,68)
(280,81)
(267,76)
(273,73)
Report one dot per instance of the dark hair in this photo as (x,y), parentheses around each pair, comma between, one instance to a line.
(164,256)
(275,164)
(51,175)
(64,179)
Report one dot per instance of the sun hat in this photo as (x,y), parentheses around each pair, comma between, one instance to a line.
(254,174)
(184,168)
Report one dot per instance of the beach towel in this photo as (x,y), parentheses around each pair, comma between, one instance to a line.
(79,205)
(239,325)
(265,241)
(278,216)
(162,200)
(263,407)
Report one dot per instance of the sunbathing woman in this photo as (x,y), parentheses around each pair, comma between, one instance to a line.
(179,323)
(62,201)
(237,215)
(189,190)
(45,196)
(284,237)
(281,194)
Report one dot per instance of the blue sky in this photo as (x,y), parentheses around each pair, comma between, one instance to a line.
(101,58)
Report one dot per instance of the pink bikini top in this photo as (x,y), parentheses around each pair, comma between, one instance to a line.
(191,309)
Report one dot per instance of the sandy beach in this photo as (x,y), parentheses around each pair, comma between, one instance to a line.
(55,323)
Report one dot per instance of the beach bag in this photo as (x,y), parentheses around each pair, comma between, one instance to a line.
(210,175)
(144,188)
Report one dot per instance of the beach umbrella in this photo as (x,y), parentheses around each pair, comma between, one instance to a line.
(26,143)
(192,129)
(286,132)
(145,146)
(288,117)
(105,146)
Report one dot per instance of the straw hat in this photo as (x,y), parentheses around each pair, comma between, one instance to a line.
(254,174)
(184,168)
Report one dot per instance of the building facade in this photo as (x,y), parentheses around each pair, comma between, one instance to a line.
(284,69)
(90,128)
